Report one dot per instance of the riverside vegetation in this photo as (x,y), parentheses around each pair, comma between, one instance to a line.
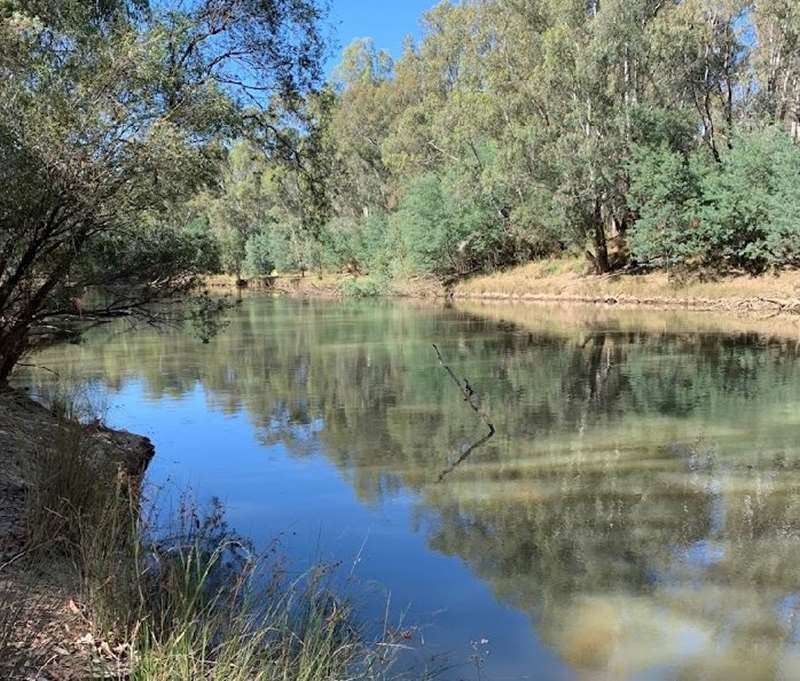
(638,135)
(154,600)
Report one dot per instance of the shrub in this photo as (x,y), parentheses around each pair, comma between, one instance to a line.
(258,258)
(740,214)
(342,245)
(364,287)
(666,190)
(443,233)
(202,240)
(291,248)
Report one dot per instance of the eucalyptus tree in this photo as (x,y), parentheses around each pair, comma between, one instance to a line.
(239,206)
(777,61)
(356,128)
(110,114)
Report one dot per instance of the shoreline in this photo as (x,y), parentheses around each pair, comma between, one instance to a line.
(561,282)
(27,429)
(58,624)
(787,307)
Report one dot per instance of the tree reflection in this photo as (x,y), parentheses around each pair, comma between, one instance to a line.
(641,500)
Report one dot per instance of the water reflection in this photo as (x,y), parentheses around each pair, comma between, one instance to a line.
(640,501)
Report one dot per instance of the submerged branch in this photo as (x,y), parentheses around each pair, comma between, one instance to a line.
(465,455)
(473,400)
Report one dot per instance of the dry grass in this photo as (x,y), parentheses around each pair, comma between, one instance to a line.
(312,284)
(68,487)
(566,279)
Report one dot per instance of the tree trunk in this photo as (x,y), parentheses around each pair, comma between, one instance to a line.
(12,347)
(794,124)
(601,262)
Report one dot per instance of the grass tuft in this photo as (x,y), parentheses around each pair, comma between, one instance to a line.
(189,600)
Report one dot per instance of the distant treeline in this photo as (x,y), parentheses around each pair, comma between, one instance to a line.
(644,133)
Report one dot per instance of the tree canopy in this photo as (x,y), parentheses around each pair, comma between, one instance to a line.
(631,131)
(112,116)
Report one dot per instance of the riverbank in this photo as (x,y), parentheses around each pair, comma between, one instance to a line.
(560,281)
(327,285)
(565,281)
(28,431)
(94,586)
(44,625)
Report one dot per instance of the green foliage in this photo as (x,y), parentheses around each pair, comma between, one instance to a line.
(513,133)
(442,233)
(232,251)
(200,238)
(665,191)
(749,217)
(114,112)
(378,244)
(363,63)
(291,247)
(342,242)
(258,257)
(740,214)
(364,287)
(508,132)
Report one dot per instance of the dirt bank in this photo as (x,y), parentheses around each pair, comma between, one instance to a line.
(42,613)
(310,285)
(566,281)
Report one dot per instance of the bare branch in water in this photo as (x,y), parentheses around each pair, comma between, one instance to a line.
(465,455)
(473,400)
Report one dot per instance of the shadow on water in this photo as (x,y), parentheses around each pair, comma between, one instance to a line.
(640,500)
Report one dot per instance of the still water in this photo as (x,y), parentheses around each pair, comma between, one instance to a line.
(636,516)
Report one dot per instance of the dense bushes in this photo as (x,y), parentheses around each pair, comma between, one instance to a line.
(742,213)
(442,232)
(683,209)
(258,258)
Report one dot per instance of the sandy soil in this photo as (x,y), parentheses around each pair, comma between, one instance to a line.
(565,281)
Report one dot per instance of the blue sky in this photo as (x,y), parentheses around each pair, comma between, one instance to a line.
(386,21)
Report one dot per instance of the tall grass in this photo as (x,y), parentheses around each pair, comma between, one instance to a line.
(69,488)
(189,600)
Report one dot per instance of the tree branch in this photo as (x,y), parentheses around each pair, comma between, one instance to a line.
(473,400)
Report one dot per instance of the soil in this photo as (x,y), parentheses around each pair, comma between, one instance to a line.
(747,297)
(43,625)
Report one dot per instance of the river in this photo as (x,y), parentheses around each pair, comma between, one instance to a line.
(636,516)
